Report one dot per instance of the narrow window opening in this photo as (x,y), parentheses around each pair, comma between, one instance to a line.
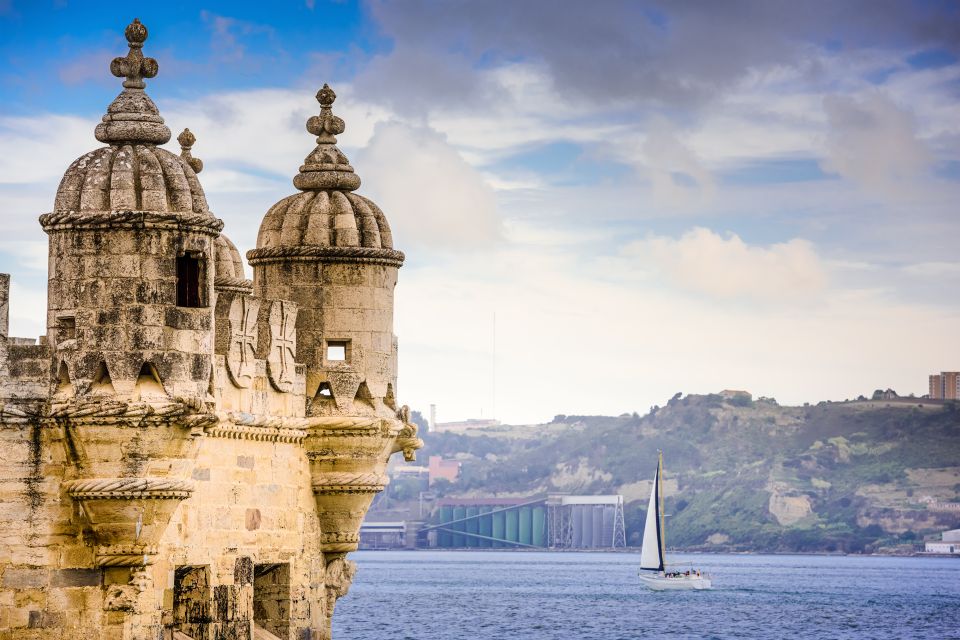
(191,600)
(189,277)
(338,350)
(271,598)
(66,328)
(323,391)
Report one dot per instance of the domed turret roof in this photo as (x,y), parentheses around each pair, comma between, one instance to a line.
(132,173)
(326,220)
(228,274)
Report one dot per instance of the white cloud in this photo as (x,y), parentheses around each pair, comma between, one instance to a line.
(933,269)
(677,174)
(40,148)
(571,341)
(705,262)
(874,142)
(433,198)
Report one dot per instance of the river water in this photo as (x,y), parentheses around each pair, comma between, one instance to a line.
(475,595)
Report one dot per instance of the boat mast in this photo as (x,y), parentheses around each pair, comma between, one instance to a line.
(663,529)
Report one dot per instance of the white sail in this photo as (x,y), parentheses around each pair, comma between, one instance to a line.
(650,551)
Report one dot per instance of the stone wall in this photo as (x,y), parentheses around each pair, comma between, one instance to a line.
(113,301)
(346,303)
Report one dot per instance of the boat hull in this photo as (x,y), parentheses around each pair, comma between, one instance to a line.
(680,583)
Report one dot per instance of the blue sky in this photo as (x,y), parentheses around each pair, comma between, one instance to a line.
(628,198)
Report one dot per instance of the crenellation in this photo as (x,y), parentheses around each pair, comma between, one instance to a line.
(171,448)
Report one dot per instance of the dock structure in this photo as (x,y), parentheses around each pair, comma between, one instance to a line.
(556,521)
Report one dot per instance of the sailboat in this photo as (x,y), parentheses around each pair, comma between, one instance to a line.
(653,563)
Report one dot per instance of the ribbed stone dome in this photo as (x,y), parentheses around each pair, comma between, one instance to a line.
(132,173)
(139,177)
(228,266)
(326,220)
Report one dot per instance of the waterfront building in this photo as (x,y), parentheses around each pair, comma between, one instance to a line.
(949,543)
(945,385)
(557,521)
(188,453)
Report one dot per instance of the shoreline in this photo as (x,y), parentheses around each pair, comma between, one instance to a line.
(636,550)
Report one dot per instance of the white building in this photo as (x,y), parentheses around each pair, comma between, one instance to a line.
(949,543)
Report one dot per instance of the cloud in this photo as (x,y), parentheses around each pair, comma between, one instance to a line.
(677,174)
(227,35)
(873,142)
(571,337)
(705,262)
(432,197)
(681,55)
(31,254)
(40,148)
(934,269)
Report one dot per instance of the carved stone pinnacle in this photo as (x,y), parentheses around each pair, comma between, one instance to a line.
(326,96)
(326,126)
(187,140)
(134,67)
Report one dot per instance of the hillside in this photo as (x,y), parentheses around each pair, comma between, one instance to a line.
(741,474)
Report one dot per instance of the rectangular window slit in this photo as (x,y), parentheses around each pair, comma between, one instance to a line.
(189,277)
(337,351)
(66,328)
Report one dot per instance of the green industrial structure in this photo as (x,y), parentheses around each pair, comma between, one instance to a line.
(555,522)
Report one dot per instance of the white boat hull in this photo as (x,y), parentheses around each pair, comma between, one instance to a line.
(662,583)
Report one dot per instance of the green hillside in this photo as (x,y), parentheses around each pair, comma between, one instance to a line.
(741,474)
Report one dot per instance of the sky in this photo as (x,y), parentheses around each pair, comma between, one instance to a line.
(602,204)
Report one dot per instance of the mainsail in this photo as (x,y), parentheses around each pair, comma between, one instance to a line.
(651,553)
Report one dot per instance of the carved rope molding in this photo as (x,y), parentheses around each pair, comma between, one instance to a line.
(339,536)
(267,428)
(318,253)
(204,223)
(344,483)
(129,489)
(233,285)
(126,555)
(260,434)
(184,412)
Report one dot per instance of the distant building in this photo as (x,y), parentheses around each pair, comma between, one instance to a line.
(382,535)
(463,425)
(730,394)
(556,521)
(945,385)
(446,469)
(949,543)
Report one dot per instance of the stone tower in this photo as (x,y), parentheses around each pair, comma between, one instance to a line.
(192,452)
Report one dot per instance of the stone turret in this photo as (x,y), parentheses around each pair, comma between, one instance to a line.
(131,246)
(330,250)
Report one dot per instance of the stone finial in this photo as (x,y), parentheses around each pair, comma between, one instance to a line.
(326,167)
(134,67)
(187,140)
(326,126)
(133,118)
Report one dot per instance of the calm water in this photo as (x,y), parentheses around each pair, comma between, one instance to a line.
(445,595)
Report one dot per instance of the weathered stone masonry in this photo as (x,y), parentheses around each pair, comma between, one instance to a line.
(187,453)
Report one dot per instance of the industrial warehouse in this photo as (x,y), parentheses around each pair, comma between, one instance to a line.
(556,521)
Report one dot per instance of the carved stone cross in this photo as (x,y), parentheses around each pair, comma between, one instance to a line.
(243,340)
(283,345)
